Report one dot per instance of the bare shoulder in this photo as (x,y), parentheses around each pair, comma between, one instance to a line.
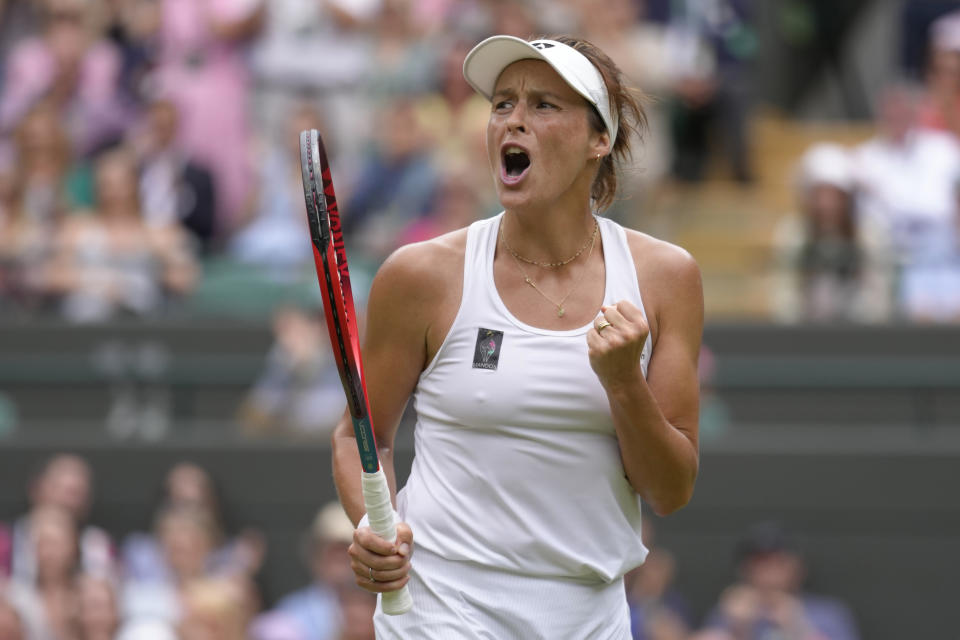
(415,295)
(662,262)
(669,279)
(425,268)
(423,279)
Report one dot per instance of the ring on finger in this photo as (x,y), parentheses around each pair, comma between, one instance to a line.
(372,579)
(603,324)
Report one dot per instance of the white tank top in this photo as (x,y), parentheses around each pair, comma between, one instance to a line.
(517,464)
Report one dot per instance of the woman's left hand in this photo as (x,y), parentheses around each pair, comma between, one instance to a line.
(615,343)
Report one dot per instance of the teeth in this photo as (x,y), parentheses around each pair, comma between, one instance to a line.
(514,151)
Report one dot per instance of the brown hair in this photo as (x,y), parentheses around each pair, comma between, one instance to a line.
(625,103)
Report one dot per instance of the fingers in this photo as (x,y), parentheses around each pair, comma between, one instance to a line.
(382,587)
(404,539)
(379,581)
(615,343)
(616,319)
(372,543)
(629,311)
(370,550)
(623,320)
(378,564)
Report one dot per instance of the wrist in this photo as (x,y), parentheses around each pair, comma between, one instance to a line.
(623,387)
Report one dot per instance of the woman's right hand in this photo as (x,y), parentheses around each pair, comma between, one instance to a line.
(381,566)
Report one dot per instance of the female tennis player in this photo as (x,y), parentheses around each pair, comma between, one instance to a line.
(552,358)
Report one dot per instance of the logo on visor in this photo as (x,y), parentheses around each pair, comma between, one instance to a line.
(542,45)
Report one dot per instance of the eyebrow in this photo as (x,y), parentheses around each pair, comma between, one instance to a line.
(536,93)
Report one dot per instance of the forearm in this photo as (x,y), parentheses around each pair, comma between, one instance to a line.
(347,470)
(659,459)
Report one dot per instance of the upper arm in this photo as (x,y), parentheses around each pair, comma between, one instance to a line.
(409,294)
(677,291)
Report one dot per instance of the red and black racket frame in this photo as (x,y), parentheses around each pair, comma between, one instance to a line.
(330,258)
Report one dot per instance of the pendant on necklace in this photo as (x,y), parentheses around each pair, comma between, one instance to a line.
(560,312)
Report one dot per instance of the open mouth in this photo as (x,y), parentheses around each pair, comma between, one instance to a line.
(515,163)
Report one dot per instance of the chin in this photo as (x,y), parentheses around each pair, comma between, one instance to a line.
(515,198)
(511,200)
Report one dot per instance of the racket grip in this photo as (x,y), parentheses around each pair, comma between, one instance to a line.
(376,498)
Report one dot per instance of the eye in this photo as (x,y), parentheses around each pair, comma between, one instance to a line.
(502,105)
(546,105)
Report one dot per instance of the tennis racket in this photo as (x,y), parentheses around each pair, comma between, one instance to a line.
(334,276)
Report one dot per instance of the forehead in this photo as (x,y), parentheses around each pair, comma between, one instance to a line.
(534,75)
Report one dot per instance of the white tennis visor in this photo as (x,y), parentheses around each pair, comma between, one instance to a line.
(486,61)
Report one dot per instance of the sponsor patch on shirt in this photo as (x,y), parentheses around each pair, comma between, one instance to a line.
(486,355)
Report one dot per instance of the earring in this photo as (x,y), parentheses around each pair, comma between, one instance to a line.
(598,156)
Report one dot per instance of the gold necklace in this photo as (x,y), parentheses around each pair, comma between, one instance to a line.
(526,278)
(550,265)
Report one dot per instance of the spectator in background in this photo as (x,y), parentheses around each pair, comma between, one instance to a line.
(512,18)
(131,26)
(322,49)
(63,482)
(202,69)
(453,116)
(11,626)
(98,616)
(318,610)
(717,42)
(212,611)
(147,629)
(73,67)
(932,286)
(276,236)
(907,177)
(832,263)
(403,62)
(190,486)
(47,602)
(657,610)
(110,262)
(357,607)
(769,601)
(175,190)
(940,106)
(396,183)
(50,179)
(434,16)
(638,48)
(299,392)
(188,539)
(31,201)
(458,203)
(18,19)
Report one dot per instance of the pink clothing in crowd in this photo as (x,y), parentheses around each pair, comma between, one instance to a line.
(206,77)
(95,114)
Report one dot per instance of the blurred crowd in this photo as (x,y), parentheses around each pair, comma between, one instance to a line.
(142,139)
(187,577)
(877,233)
(192,576)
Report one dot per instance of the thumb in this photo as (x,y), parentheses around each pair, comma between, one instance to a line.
(404,539)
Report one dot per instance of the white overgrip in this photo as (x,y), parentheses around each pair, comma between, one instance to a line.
(376,498)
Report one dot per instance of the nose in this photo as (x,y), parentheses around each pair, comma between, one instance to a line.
(516,120)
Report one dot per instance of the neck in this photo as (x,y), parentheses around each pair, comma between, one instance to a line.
(548,235)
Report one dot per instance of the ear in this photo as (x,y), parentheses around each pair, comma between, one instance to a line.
(600,145)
